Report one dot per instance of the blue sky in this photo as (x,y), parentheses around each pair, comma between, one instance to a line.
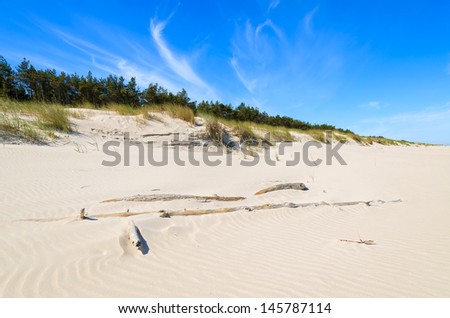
(376,67)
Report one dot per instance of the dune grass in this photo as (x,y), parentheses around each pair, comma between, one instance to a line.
(242,129)
(31,121)
(54,117)
(123,110)
(13,125)
(174,111)
(318,135)
(370,140)
(214,131)
(77,114)
(273,133)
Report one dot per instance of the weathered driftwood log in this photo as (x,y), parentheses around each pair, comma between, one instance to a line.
(229,209)
(284,186)
(172,197)
(133,234)
(366,242)
(164,214)
(83,214)
(250,208)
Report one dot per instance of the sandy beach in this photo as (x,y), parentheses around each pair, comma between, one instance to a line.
(302,250)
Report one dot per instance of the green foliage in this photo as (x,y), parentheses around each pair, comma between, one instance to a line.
(176,111)
(54,117)
(214,131)
(252,114)
(13,125)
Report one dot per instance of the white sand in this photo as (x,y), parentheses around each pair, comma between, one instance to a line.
(288,252)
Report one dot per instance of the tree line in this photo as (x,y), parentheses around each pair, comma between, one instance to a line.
(26,83)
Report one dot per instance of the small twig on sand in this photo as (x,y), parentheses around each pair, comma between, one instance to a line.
(83,214)
(366,242)
(172,197)
(284,186)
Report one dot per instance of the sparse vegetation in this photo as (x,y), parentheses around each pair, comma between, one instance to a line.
(54,117)
(77,114)
(14,126)
(318,135)
(214,131)
(124,110)
(34,122)
(177,111)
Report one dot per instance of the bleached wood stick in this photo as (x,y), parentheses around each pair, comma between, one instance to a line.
(82,214)
(172,197)
(133,234)
(268,206)
(284,186)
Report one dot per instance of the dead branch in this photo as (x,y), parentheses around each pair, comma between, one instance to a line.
(172,197)
(284,186)
(133,234)
(366,242)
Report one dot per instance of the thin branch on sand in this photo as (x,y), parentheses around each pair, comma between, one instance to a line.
(248,208)
(172,197)
(366,242)
(284,186)
(269,206)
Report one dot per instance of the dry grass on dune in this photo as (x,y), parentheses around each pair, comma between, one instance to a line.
(174,111)
(214,131)
(32,121)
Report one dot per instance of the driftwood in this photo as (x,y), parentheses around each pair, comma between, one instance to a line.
(172,197)
(164,214)
(366,242)
(83,214)
(157,135)
(133,234)
(245,208)
(284,186)
(185,212)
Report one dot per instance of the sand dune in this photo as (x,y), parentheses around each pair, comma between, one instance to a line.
(46,251)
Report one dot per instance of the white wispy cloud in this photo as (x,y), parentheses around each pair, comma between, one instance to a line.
(253,50)
(178,64)
(372,104)
(308,21)
(429,115)
(428,125)
(132,59)
(249,84)
(115,64)
(273,4)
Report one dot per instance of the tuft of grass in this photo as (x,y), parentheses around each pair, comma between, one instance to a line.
(54,117)
(77,114)
(11,124)
(47,117)
(244,131)
(385,141)
(148,114)
(124,110)
(318,135)
(214,131)
(339,137)
(177,111)
(276,133)
(358,139)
